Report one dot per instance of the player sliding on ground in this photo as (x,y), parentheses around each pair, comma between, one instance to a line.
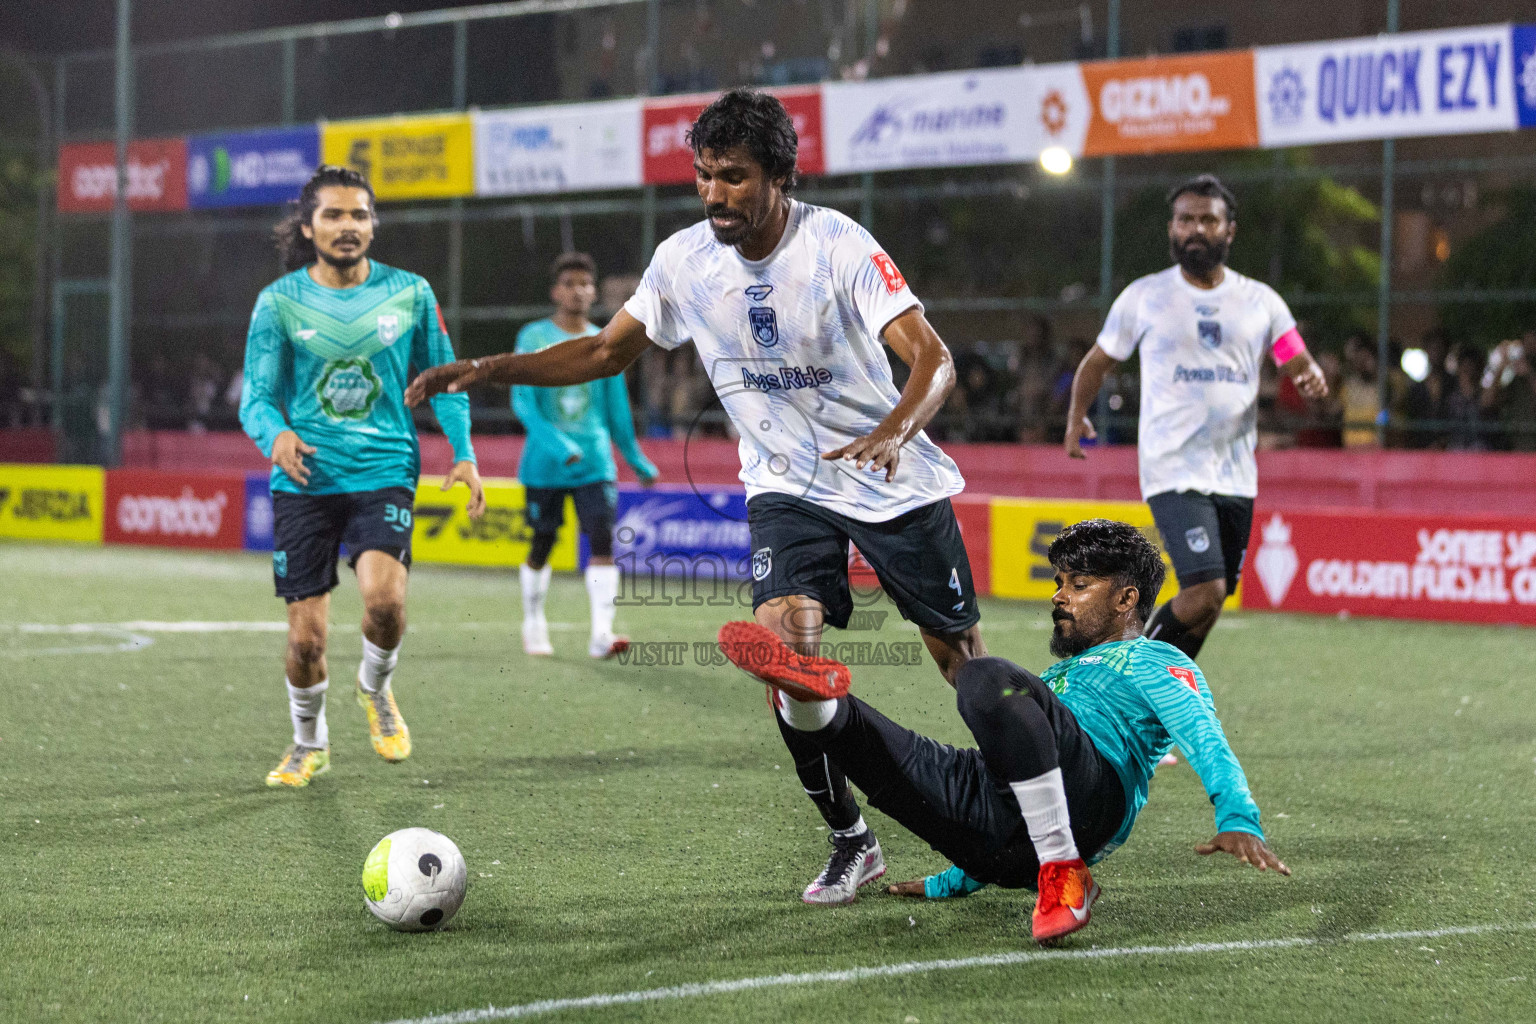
(569,451)
(326,363)
(1202,330)
(1064,758)
(787,305)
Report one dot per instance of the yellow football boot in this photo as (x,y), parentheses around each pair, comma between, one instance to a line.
(299,765)
(391,736)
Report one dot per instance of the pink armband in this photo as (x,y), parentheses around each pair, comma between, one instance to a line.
(1288,346)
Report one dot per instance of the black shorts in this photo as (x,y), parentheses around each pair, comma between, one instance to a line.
(596,506)
(946,796)
(309,529)
(1206,535)
(800,548)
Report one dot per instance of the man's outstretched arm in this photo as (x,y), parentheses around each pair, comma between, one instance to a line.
(577,361)
(1085,389)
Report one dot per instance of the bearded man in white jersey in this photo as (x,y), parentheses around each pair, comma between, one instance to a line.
(787,305)
(1202,329)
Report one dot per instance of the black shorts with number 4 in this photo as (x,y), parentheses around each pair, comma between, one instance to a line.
(1206,535)
(801,548)
(309,529)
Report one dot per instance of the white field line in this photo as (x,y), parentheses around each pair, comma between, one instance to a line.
(853,974)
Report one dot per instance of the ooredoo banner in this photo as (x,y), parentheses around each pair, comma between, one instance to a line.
(1171,104)
(571,148)
(178,510)
(668,159)
(406,157)
(1001,115)
(250,168)
(157,176)
(1444,567)
(1447,82)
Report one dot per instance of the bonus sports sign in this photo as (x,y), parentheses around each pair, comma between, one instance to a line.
(1444,567)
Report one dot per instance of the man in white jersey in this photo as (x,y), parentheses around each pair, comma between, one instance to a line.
(787,305)
(1202,329)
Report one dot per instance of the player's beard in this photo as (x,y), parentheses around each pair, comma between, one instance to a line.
(738,231)
(1064,644)
(1199,258)
(343,262)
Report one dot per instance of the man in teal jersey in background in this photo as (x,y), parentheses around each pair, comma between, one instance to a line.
(326,363)
(1064,758)
(569,450)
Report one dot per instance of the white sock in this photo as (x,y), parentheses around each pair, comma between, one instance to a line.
(858,828)
(1043,799)
(378,666)
(306,707)
(535,586)
(806,715)
(603,591)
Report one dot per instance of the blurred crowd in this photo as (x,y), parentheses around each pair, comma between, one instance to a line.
(1439,395)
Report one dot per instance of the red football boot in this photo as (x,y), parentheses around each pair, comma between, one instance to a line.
(1067,893)
(758,651)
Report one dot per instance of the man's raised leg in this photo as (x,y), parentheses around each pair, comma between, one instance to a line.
(1010,713)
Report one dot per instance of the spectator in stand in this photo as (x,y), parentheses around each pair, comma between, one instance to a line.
(202,390)
(1463,400)
(1062,373)
(1509,393)
(1425,399)
(1029,366)
(977,403)
(1362,403)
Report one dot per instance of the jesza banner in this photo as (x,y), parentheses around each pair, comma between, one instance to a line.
(572,148)
(1414,83)
(1003,115)
(406,157)
(1446,567)
(157,176)
(250,168)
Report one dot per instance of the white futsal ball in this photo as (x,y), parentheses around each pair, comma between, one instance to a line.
(414,880)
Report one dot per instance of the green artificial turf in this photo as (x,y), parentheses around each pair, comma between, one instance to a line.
(634,827)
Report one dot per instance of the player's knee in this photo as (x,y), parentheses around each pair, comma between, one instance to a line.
(1211,595)
(539,549)
(982,684)
(601,542)
(306,647)
(386,612)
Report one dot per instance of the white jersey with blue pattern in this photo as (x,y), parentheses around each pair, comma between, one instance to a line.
(792,346)
(1200,355)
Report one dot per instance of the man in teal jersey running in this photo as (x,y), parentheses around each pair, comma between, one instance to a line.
(569,451)
(1064,758)
(326,362)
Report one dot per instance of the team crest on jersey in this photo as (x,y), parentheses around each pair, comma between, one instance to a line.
(389,328)
(1210,333)
(1198,540)
(348,388)
(765,325)
(762,563)
(1184,676)
(758,292)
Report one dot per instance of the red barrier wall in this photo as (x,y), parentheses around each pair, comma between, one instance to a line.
(1298,478)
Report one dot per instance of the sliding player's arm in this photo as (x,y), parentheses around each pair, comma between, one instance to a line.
(431,347)
(261,394)
(621,427)
(932,378)
(1194,727)
(577,361)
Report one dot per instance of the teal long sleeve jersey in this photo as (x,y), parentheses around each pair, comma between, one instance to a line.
(1136,699)
(332,364)
(578,419)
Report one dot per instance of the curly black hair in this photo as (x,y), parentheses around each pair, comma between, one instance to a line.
(1207,185)
(746,117)
(288,235)
(1113,551)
